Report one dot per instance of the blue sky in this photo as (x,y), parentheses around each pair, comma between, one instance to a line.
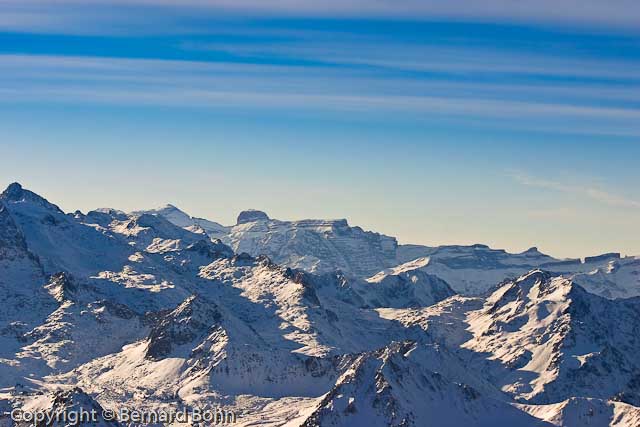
(511,123)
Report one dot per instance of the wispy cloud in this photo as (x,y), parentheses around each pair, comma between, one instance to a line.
(594,193)
(551,85)
(219,85)
(428,57)
(611,14)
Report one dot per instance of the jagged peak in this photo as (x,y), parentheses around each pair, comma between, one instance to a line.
(251,215)
(61,286)
(191,318)
(534,286)
(532,251)
(13,189)
(546,281)
(16,193)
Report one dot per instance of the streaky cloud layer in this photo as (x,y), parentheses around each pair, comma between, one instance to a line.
(620,14)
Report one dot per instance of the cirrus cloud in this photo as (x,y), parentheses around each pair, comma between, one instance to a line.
(591,192)
(118,15)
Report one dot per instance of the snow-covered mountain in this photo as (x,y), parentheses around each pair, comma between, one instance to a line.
(182,219)
(404,286)
(108,310)
(541,339)
(559,340)
(321,246)
(473,270)
(392,387)
(317,246)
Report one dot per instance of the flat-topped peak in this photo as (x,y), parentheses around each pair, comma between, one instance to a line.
(252,215)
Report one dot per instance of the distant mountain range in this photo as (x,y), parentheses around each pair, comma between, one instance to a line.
(306,323)
(321,246)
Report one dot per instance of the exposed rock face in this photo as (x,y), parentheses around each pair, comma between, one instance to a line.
(192,319)
(318,246)
(12,240)
(251,216)
(61,287)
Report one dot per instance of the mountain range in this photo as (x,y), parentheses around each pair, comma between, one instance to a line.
(306,323)
(321,246)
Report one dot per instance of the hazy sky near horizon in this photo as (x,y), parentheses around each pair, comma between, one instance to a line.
(514,124)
